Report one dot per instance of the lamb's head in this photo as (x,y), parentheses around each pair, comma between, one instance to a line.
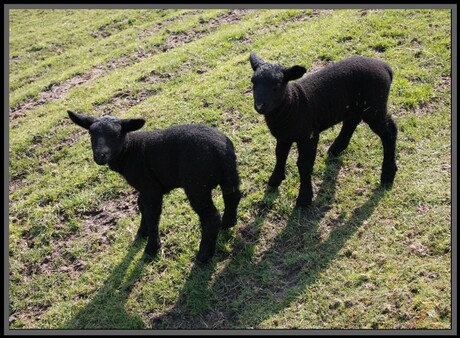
(107,133)
(269,83)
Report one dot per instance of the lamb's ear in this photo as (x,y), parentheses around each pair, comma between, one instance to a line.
(294,72)
(82,120)
(255,60)
(128,125)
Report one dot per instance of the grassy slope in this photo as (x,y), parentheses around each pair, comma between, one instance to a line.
(358,258)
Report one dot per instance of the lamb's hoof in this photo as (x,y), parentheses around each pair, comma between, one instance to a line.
(303,203)
(146,258)
(203,259)
(151,252)
(333,154)
(228,222)
(386,180)
(275,182)
(273,186)
(200,263)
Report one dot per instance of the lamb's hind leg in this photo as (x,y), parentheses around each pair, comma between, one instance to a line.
(231,200)
(201,202)
(386,129)
(343,139)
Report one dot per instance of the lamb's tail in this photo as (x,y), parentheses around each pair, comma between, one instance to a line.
(230,180)
(390,71)
(230,186)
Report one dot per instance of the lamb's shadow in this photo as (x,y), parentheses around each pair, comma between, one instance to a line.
(191,310)
(243,294)
(107,308)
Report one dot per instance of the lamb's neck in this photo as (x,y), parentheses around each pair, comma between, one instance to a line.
(286,110)
(118,162)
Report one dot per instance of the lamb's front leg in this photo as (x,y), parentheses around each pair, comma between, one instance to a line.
(305,162)
(151,212)
(281,152)
(142,232)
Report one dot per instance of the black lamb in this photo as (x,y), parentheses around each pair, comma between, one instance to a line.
(194,157)
(350,90)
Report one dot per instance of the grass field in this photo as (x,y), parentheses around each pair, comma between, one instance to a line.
(359,258)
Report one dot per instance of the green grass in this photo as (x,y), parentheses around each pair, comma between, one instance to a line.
(359,257)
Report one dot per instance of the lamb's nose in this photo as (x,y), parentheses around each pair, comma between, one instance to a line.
(101,158)
(260,106)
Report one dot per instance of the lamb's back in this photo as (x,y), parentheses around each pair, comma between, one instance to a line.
(187,155)
(355,74)
(345,87)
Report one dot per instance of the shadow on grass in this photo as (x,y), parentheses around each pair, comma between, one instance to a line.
(250,290)
(197,297)
(107,309)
